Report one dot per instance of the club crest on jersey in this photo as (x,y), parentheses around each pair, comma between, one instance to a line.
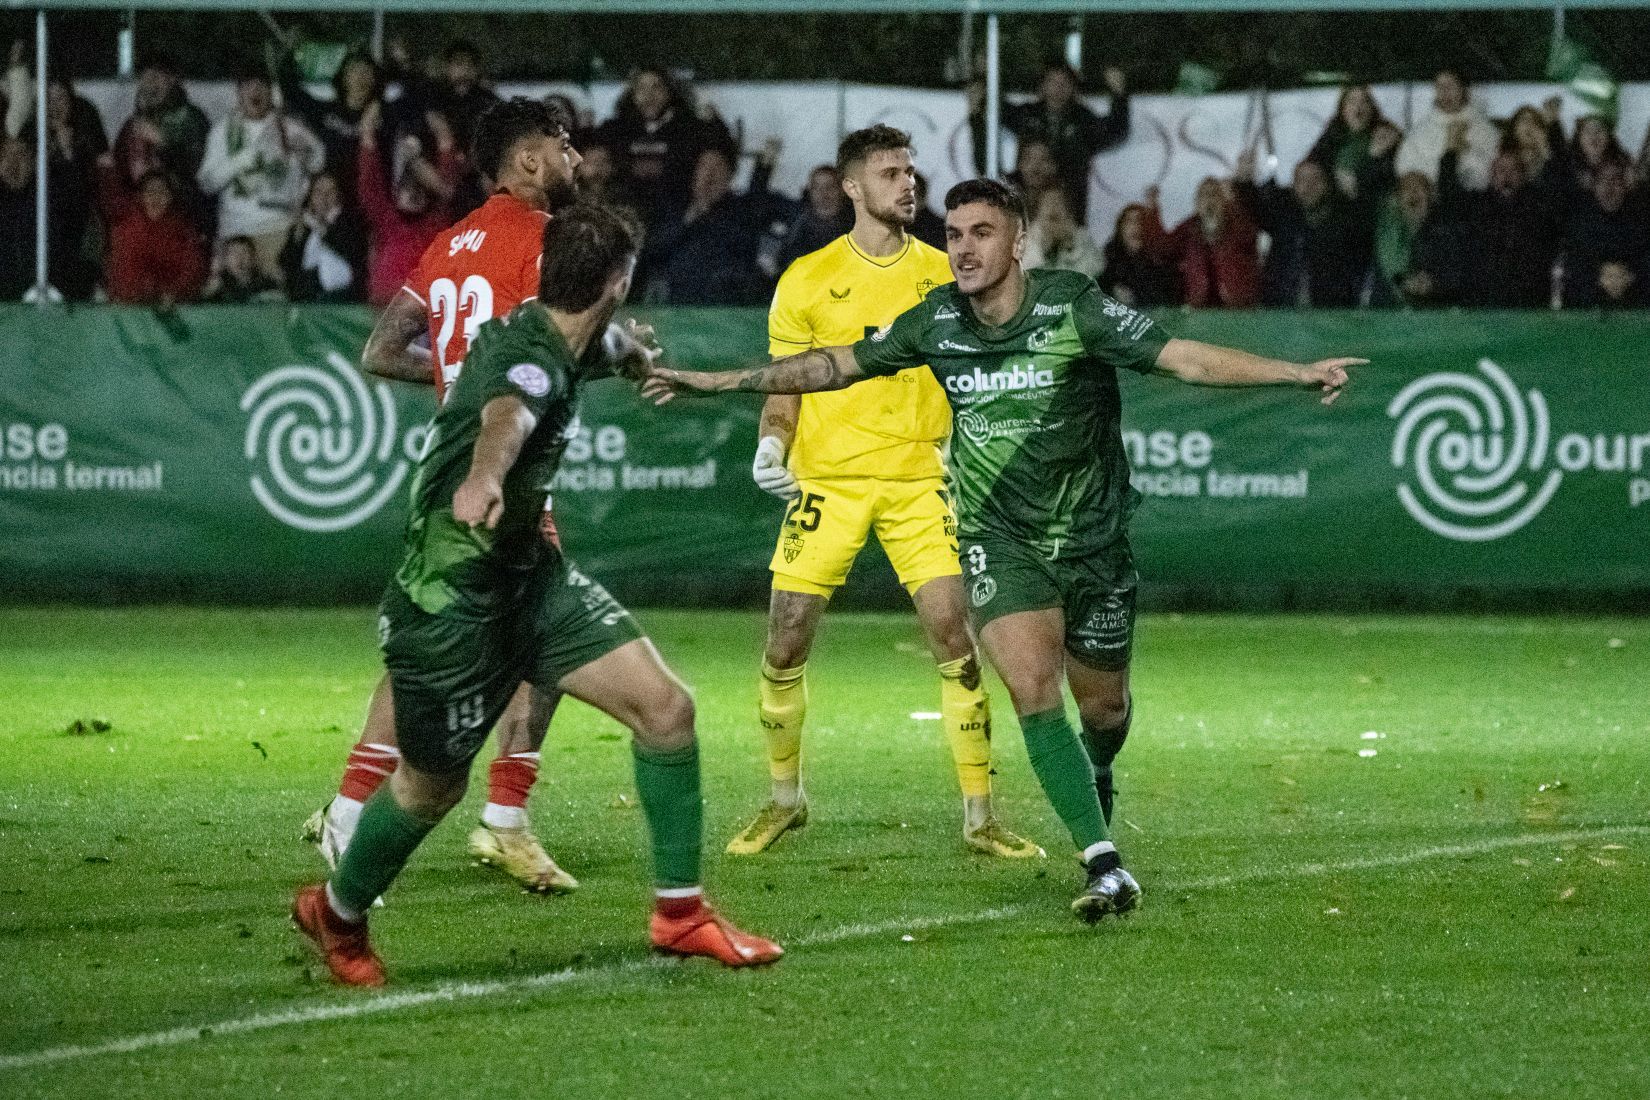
(529,378)
(1040,339)
(924,286)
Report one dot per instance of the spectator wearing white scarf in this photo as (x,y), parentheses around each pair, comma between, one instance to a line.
(1455,122)
(258,162)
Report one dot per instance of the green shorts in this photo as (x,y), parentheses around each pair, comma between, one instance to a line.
(452,675)
(1095,591)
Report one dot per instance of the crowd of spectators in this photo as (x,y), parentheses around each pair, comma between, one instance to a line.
(1461,210)
(296,197)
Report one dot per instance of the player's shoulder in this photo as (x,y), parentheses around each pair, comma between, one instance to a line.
(522,335)
(939,308)
(502,209)
(807,270)
(497,241)
(1053,286)
(943,303)
(502,221)
(926,255)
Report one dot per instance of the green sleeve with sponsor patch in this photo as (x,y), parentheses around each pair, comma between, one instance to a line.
(898,346)
(517,361)
(1115,334)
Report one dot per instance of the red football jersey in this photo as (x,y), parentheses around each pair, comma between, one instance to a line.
(483,267)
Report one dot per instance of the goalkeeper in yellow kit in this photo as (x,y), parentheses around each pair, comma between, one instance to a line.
(865,459)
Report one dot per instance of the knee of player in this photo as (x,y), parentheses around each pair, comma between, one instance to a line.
(1034,693)
(784,652)
(952,640)
(1104,712)
(789,640)
(428,795)
(666,723)
(791,621)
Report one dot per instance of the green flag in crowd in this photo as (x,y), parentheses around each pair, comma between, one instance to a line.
(1572,64)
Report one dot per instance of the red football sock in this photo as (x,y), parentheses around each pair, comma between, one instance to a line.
(510,778)
(679,906)
(368,766)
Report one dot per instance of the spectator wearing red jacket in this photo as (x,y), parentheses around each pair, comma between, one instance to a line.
(1214,250)
(156,255)
(402,222)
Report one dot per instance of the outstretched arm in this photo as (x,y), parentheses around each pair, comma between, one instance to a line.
(630,348)
(1211,365)
(389,353)
(506,422)
(811,371)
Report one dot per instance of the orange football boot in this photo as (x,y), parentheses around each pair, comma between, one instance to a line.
(344,946)
(704,931)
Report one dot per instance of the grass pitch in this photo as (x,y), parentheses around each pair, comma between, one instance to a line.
(1381,857)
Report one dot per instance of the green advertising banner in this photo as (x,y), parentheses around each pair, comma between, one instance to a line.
(236,453)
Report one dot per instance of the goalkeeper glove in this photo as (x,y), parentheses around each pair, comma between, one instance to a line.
(769,470)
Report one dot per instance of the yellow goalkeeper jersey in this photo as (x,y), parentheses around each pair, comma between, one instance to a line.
(883,427)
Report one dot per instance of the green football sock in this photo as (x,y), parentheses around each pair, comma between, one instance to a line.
(384,840)
(1063,769)
(1103,747)
(668,784)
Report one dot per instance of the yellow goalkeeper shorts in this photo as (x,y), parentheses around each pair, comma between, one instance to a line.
(825,527)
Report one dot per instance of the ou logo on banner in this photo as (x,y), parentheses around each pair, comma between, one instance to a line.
(323,445)
(1475,448)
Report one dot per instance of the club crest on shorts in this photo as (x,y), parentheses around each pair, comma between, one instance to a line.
(791,546)
(982,591)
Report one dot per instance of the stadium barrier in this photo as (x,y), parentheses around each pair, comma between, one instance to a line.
(235,453)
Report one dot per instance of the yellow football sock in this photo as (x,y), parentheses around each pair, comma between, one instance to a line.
(784,703)
(966,709)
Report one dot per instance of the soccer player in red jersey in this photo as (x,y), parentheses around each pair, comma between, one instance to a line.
(481,268)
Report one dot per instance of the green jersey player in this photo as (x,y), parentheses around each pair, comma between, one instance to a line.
(1029,361)
(482,602)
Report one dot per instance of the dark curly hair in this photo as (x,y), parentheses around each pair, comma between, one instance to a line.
(509,121)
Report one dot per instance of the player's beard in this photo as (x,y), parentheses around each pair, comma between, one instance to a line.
(894,216)
(561,193)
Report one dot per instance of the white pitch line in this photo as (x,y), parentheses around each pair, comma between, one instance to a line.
(462,991)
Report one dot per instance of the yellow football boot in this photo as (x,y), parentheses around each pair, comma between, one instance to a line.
(990,837)
(771,823)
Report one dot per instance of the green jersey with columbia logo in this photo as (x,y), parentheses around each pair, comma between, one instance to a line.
(1036,448)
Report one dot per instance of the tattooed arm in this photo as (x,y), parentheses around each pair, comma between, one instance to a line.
(779,415)
(390,352)
(811,371)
